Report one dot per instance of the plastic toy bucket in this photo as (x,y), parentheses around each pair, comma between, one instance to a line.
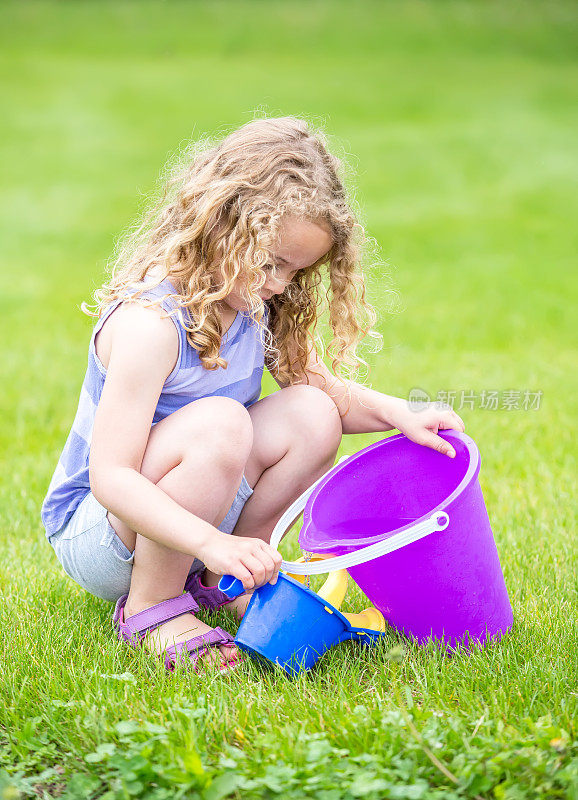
(293,627)
(448,585)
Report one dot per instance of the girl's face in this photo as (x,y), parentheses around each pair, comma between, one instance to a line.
(301,243)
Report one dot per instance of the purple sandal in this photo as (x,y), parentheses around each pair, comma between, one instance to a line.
(134,629)
(206,596)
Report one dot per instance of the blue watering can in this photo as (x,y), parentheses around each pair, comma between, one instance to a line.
(292,626)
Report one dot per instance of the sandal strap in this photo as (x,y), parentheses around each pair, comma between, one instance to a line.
(198,645)
(140,624)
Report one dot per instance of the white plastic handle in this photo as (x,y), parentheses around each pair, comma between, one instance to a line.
(437,522)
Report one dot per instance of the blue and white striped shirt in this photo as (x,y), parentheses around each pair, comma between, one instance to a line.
(241,346)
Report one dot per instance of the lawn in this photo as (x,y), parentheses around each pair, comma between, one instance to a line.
(458,121)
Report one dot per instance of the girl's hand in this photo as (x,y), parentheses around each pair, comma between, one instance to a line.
(422,424)
(253,561)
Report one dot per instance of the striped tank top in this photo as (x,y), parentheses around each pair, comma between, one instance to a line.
(242,348)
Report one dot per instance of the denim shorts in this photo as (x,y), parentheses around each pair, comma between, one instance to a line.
(92,554)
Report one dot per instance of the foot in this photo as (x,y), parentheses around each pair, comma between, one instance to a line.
(239,604)
(179,629)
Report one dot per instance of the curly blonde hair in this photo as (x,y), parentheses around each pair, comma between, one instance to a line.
(214,226)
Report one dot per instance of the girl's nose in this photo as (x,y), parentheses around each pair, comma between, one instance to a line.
(275,285)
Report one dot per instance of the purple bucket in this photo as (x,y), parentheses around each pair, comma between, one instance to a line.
(447,585)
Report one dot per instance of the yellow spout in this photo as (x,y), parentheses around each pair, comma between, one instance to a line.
(371,619)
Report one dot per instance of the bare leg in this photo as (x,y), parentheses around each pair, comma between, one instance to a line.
(207,444)
(296,435)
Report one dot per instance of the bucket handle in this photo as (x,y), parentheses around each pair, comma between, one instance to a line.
(437,522)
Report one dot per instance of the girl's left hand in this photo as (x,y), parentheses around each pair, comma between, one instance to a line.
(422,424)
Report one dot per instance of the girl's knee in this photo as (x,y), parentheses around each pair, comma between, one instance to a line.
(217,428)
(225,417)
(224,425)
(316,415)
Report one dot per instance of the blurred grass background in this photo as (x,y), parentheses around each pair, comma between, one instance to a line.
(458,120)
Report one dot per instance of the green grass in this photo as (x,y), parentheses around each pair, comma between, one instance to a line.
(460,120)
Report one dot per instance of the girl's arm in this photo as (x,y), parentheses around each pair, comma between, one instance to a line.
(365,410)
(143,352)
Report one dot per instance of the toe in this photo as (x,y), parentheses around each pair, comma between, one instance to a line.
(229,653)
(222,658)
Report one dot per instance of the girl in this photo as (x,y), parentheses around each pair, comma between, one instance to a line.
(171,450)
